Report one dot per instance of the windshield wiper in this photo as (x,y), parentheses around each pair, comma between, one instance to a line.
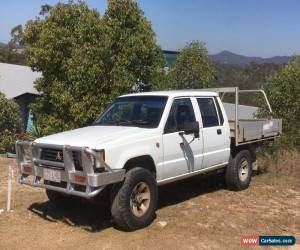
(133,122)
(124,123)
(141,122)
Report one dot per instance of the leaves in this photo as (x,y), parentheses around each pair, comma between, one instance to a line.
(283,90)
(192,68)
(87,60)
(10,124)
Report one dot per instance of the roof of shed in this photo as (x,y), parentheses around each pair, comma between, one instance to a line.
(16,80)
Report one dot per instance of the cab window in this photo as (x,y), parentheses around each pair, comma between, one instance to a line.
(181,112)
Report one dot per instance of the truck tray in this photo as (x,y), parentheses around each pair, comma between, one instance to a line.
(250,130)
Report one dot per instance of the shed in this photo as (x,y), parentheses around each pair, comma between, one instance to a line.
(17,82)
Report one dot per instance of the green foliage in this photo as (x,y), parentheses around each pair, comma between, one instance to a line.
(250,76)
(45,8)
(133,55)
(192,68)
(10,124)
(283,90)
(8,54)
(16,36)
(87,60)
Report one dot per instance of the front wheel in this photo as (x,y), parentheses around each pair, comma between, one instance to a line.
(134,202)
(239,171)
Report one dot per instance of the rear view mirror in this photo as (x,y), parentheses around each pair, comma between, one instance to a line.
(191,128)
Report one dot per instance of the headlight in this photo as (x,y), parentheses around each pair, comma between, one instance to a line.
(100,154)
(27,151)
(96,157)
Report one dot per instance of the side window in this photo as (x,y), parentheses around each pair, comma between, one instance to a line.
(181,112)
(208,112)
(219,112)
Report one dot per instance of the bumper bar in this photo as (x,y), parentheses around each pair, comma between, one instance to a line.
(86,183)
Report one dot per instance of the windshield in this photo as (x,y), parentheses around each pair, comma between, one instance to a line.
(139,111)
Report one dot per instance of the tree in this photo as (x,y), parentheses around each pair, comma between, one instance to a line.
(283,90)
(134,56)
(45,9)
(87,60)
(10,124)
(16,35)
(192,68)
(8,53)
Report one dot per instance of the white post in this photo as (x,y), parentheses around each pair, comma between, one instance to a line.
(9,187)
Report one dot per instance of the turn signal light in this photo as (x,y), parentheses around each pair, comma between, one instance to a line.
(79,178)
(27,169)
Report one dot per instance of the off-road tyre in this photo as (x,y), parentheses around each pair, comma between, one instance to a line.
(235,180)
(122,199)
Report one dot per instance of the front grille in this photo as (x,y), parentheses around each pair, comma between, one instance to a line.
(50,154)
(56,155)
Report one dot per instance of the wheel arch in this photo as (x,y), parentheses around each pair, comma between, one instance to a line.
(143,161)
(250,147)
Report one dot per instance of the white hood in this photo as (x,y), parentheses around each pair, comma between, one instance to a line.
(91,136)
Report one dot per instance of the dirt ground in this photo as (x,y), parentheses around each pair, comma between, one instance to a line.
(199,213)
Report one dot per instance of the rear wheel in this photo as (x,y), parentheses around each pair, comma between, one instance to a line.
(134,202)
(239,171)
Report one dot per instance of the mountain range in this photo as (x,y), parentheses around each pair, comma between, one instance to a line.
(227,57)
(235,59)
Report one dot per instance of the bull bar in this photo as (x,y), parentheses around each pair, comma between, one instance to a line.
(86,183)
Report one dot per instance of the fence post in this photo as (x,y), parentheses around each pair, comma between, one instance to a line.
(9,187)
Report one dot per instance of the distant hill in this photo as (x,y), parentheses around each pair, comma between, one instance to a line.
(235,59)
(232,58)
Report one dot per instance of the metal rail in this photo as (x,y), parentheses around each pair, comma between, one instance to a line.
(236,91)
(93,182)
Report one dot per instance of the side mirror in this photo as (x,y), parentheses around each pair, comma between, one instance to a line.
(191,128)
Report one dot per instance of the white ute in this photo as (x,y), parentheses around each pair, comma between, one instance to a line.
(144,140)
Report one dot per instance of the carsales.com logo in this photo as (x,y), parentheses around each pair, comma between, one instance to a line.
(256,240)
(250,240)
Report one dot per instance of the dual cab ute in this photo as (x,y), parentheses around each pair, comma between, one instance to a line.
(145,140)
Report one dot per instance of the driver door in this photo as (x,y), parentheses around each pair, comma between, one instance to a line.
(182,153)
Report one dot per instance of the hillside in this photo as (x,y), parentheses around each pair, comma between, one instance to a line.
(235,59)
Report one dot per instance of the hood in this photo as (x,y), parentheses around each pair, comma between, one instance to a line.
(91,136)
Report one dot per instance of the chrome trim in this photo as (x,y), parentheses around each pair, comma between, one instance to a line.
(49,163)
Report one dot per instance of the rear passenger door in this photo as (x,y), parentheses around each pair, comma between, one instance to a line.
(214,150)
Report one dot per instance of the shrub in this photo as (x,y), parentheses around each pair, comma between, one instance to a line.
(10,124)
(283,90)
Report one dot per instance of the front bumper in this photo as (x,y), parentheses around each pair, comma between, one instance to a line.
(85,183)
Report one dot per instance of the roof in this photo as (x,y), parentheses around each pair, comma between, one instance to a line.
(170,57)
(16,80)
(176,93)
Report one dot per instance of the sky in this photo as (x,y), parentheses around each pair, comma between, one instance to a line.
(248,27)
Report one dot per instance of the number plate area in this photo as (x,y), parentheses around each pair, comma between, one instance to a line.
(52,175)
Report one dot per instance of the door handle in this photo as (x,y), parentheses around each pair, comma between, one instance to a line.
(219,131)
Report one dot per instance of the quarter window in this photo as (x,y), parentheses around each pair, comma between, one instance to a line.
(208,112)
(219,111)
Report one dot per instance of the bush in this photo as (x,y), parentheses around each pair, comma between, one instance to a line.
(10,124)
(283,90)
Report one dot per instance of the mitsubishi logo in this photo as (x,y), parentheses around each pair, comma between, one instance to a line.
(58,157)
